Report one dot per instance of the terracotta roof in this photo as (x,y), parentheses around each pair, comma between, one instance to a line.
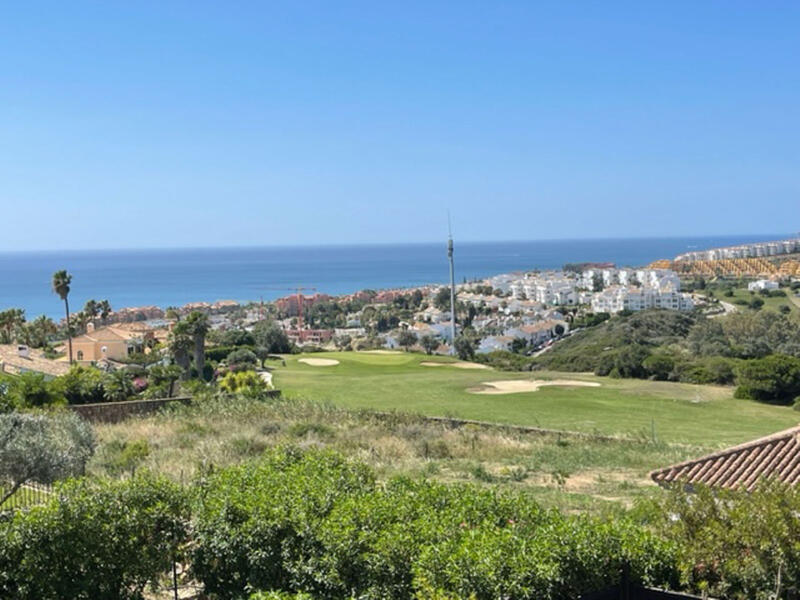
(776,456)
(35,361)
(104,334)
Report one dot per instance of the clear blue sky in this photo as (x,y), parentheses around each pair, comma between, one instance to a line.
(126,124)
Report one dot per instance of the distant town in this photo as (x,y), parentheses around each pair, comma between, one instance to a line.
(521,312)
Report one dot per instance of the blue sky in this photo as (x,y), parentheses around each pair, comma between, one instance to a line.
(160,124)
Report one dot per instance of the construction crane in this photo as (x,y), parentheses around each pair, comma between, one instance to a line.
(298,290)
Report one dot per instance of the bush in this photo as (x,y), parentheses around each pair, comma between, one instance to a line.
(774,378)
(242,357)
(319,524)
(733,544)
(42,448)
(96,540)
(81,385)
(218,353)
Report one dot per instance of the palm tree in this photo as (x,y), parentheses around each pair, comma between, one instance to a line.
(104,308)
(39,331)
(199,326)
(180,344)
(61,281)
(91,308)
(11,321)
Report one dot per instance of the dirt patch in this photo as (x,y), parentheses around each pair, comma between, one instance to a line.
(319,362)
(461,364)
(518,386)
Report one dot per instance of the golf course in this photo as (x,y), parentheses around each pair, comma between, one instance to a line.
(700,415)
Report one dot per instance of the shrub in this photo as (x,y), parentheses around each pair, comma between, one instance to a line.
(242,357)
(317,523)
(81,385)
(774,378)
(97,540)
(733,544)
(42,448)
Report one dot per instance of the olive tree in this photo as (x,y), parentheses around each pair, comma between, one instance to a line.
(42,448)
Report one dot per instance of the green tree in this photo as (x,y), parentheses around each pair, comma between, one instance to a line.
(11,321)
(118,386)
(774,378)
(31,390)
(42,448)
(465,347)
(163,377)
(198,327)
(270,336)
(429,343)
(442,299)
(39,331)
(80,385)
(91,309)
(104,310)
(61,286)
(406,339)
(180,343)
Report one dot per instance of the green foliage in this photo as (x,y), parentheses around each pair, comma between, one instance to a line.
(319,524)
(219,353)
(80,385)
(271,336)
(775,378)
(31,390)
(42,448)
(243,382)
(242,357)
(232,337)
(733,544)
(124,457)
(406,339)
(465,347)
(429,343)
(118,386)
(95,540)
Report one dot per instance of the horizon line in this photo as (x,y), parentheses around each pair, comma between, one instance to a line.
(772,236)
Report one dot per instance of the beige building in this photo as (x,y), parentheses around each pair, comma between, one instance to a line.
(109,343)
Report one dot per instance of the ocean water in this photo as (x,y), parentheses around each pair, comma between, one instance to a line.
(177,276)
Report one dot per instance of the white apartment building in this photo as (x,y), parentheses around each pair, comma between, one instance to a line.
(756,250)
(762,284)
(618,298)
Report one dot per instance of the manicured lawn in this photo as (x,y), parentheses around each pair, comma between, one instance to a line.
(745,295)
(700,415)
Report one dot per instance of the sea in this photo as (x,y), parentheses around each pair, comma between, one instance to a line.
(173,277)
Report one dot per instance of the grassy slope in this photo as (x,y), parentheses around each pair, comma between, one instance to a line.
(744,294)
(572,474)
(700,415)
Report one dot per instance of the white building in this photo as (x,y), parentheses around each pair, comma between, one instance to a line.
(619,298)
(762,284)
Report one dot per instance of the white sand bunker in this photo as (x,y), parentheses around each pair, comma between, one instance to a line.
(319,362)
(461,364)
(518,386)
(380,352)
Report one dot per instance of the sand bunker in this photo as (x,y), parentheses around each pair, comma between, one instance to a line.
(319,362)
(518,386)
(461,364)
(380,352)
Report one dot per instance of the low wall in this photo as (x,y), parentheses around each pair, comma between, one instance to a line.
(114,412)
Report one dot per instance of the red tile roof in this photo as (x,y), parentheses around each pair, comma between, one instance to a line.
(776,456)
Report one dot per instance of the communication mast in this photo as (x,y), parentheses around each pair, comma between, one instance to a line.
(452,287)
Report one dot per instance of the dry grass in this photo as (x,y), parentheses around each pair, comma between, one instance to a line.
(569,473)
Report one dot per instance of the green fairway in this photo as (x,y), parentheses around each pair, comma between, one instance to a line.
(701,415)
